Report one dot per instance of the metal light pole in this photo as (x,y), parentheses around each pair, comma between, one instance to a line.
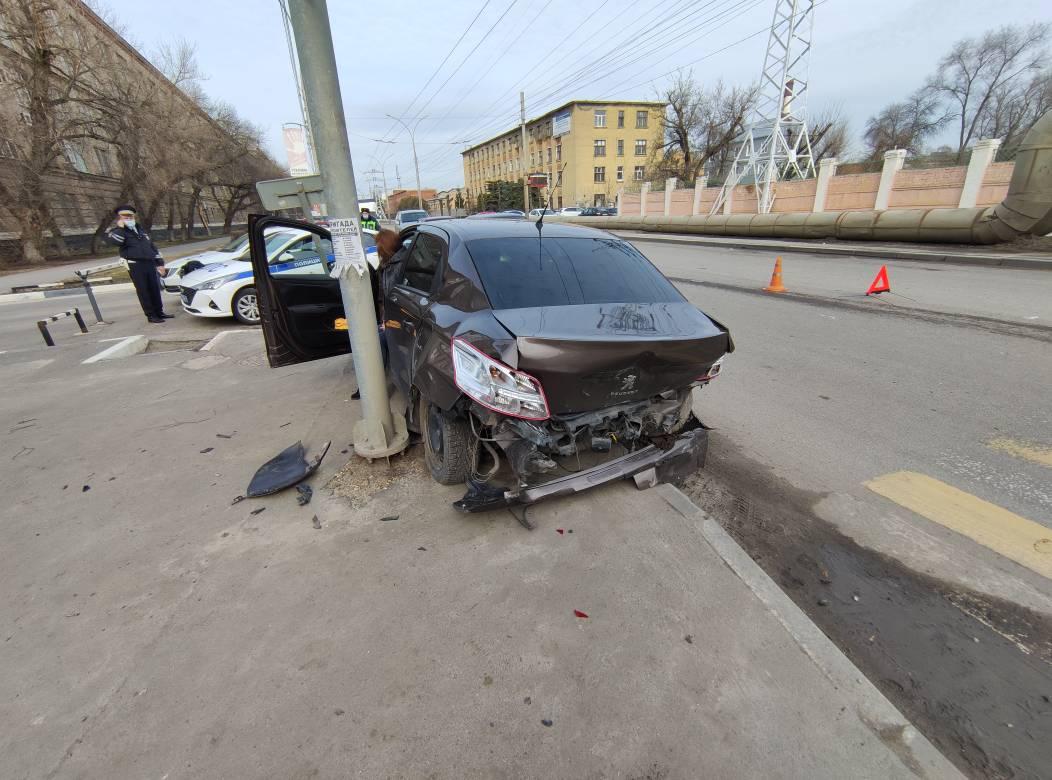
(412,138)
(378,433)
(522,156)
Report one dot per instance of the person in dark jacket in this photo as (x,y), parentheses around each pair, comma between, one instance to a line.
(144,261)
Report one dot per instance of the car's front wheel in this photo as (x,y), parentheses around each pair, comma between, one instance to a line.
(245,306)
(449,449)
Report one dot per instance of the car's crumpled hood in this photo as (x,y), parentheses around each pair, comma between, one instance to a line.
(216,270)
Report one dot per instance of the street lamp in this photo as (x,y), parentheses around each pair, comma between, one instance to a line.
(416,165)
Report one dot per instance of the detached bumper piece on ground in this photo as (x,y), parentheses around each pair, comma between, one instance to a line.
(284,470)
(676,458)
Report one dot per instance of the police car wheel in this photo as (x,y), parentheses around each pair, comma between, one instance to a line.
(246,306)
(447,444)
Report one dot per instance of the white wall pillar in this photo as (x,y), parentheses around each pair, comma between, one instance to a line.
(983,154)
(643,192)
(699,186)
(826,171)
(893,162)
(728,196)
(670,184)
(620,201)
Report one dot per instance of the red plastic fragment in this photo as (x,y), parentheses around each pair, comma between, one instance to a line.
(559,531)
(579,613)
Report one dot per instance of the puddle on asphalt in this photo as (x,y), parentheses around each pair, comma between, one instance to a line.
(972,672)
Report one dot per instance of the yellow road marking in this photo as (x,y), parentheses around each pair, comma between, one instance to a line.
(1022,449)
(1004,532)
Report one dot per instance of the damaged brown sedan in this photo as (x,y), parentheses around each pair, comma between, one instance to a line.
(538,360)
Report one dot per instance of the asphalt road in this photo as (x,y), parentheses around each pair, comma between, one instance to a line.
(892,469)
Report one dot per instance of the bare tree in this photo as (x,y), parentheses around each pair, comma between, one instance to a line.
(46,57)
(980,74)
(828,131)
(700,126)
(905,125)
(1013,109)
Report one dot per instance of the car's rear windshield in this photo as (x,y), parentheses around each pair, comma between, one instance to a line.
(521,273)
(408,216)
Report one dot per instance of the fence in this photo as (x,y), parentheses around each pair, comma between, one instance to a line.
(895,186)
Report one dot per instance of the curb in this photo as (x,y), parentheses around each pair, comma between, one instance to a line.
(857,250)
(39,296)
(132,345)
(879,714)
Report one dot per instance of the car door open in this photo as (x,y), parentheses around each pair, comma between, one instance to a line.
(300,307)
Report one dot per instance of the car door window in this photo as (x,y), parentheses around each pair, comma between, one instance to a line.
(423,263)
(302,257)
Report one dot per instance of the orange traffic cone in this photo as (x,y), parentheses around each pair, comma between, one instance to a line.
(776,285)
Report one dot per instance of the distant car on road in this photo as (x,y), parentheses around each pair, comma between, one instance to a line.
(410,217)
(514,212)
(593,211)
(571,211)
(535,213)
(228,289)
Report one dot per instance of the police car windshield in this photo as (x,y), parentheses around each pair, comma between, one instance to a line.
(236,244)
(277,240)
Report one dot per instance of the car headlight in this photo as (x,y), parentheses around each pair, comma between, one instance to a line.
(217,282)
(496,386)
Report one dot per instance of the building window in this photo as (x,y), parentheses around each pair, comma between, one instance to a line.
(599,148)
(74,157)
(641,147)
(599,174)
(641,120)
(104,162)
(8,149)
(549,155)
(620,147)
(620,173)
(620,119)
(558,152)
(639,171)
(600,118)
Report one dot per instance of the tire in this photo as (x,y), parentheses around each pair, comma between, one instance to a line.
(245,306)
(448,447)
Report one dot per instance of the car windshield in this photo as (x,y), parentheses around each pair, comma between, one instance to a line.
(236,244)
(412,216)
(525,272)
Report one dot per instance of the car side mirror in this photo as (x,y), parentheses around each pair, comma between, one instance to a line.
(284,257)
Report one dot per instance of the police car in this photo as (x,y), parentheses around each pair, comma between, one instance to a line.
(227,289)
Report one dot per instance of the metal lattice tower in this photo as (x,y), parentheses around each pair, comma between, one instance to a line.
(776,145)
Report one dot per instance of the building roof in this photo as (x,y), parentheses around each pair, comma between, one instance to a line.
(547,114)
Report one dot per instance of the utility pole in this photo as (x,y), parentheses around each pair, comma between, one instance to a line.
(378,434)
(525,172)
(416,163)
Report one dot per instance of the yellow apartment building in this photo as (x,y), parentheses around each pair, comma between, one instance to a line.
(600,147)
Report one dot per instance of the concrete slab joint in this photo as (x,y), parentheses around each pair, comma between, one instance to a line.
(643,191)
(893,162)
(983,154)
(826,171)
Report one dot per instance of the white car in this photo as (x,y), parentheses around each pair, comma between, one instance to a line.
(571,211)
(409,217)
(535,213)
(235,249)
(227,289)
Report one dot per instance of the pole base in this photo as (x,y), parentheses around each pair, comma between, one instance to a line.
(371,442)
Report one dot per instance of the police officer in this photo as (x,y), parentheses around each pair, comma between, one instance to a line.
(369,222)
(144,261)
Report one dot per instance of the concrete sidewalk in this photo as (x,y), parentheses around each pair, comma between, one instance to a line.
(931,253)
(153,628)
(56,272)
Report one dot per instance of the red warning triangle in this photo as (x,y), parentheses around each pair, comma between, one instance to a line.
(881,283)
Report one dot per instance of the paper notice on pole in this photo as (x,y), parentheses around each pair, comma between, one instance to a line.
(347,248)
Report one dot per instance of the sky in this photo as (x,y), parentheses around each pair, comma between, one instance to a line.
(455,68)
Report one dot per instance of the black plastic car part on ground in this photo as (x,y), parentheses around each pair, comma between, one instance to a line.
(530,346)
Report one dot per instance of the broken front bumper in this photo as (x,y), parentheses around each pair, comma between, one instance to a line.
(649,466)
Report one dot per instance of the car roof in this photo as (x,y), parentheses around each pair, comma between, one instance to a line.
(469,229)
